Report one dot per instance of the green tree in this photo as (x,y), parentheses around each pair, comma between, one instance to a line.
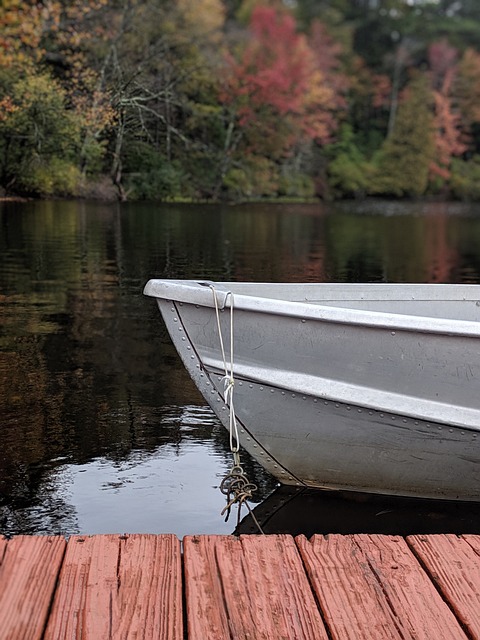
(38,139)
(348,170)
(404,161)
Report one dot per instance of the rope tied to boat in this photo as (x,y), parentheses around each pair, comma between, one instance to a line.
(238,489)
(235,485)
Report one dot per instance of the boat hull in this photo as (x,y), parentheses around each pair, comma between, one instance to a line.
(329,398)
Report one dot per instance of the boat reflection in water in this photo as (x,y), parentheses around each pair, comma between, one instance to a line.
(308,511)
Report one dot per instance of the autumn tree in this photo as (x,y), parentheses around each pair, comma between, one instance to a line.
(35,128)
(276,97)
(448,134)
(49,102)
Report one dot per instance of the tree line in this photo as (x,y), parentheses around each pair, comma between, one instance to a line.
(240,99)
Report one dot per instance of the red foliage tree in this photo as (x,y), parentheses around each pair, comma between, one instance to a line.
(278,83)
(449,138)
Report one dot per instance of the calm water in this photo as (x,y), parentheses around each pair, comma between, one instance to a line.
(101,428)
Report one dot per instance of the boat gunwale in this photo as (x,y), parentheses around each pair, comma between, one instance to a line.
(201,293)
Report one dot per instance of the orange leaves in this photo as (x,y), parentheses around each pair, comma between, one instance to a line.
(7,107)
(20,33)
(448,134)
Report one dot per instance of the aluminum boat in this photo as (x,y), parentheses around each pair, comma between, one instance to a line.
(358,387)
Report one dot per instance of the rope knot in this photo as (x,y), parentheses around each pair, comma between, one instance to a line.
(228,385)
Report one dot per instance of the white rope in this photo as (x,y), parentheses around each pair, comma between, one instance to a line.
(228,379)
(235,485)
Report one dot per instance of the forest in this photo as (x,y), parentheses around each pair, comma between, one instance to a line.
(235,100)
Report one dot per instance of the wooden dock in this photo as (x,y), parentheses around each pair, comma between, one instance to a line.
(273,587)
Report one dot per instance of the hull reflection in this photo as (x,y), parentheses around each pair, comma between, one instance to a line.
(309,511)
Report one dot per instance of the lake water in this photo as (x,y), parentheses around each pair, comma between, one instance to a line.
(101,428)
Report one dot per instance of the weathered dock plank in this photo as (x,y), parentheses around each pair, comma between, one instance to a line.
(453,562)
(250,588)
(372,586)
(119,587)
(29,569)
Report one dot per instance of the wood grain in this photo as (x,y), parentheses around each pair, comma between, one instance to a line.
(371,586)
(28,574)
(252,587)
(453,563)
(123,587)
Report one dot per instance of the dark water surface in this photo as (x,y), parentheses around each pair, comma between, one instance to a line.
(101,429)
